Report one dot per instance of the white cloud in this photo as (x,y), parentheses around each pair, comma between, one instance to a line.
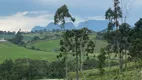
(21,13)
(26,23)
(80,3)
(81,19)
(96,18)
(137,2)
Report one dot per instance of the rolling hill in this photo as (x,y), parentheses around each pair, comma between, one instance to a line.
(12,51)
(46,45)
(50,45)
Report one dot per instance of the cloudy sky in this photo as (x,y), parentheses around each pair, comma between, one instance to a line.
(25,14)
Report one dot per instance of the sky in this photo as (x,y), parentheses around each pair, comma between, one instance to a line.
(25,14)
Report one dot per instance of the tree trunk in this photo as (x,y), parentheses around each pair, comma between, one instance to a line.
(81,59)
(66,65)
(77,77)
(117,44)
(77,67)
(109,61)
(120,62)
(80,62)
(125,59)
(119,53)
(81,54)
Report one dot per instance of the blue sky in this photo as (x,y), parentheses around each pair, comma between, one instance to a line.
(25,14)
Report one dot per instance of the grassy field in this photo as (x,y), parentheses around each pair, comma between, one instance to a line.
(9,50)
(30,36)
(48,45)
(6,36)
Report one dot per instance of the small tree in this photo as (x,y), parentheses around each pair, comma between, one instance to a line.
(18,39)
(35,38)
(101,57)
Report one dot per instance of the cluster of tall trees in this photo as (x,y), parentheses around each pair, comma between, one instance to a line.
(78,44)
(123,40)
(74,42)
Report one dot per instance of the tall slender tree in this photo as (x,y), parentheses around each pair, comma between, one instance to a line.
(113,15)
(117,15)
(59,18)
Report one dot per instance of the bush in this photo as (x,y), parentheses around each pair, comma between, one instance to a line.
(90,64)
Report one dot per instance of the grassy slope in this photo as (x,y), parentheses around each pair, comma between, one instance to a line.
(47,45)
(100,44)
(6,36)
(9,50)
(131,73)
(28,37)
(54,44)
(31,35)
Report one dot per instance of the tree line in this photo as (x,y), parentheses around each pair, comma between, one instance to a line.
(28,69)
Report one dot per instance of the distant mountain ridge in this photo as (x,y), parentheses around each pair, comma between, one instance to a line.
(38,28)
(95,25)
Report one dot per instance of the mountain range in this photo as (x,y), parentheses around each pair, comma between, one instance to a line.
(95,25)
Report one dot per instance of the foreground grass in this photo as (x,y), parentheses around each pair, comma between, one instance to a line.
(131,73)
(11,51)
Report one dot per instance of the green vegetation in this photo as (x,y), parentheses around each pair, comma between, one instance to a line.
(132,73)
(112,55)
(6,36)
(27,69)
(12,51)
(50,45)
(46,45)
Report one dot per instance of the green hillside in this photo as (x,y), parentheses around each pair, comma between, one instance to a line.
(6,36)
(50,45)
(9,50)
